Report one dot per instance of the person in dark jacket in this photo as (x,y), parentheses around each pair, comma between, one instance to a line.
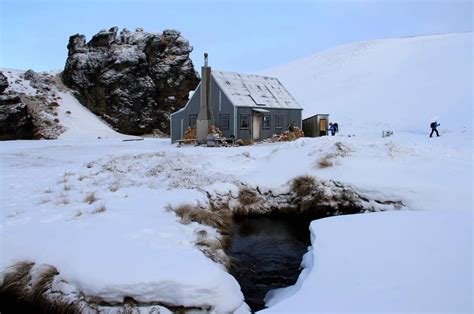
(434,129)
(336,127)
(332,129)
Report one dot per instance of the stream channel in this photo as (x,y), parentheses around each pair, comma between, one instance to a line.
(266,253)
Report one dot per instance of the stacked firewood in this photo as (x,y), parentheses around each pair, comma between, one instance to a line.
(190,133)
(288,135)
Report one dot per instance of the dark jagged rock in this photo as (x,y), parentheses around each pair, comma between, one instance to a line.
(134,80)
(15,120)
(3,83)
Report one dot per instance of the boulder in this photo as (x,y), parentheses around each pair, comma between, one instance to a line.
(133,80)
(15,121)
(3,83)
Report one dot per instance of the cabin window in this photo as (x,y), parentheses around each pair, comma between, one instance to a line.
(244,121)
(192,120)
(279,122)
(224,121)
(267,122)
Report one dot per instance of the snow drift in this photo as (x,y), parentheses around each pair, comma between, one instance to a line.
(399,83)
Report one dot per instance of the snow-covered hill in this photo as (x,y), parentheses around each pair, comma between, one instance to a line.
(399,84)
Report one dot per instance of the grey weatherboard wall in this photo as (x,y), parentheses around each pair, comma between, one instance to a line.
(221,105)
(289,115)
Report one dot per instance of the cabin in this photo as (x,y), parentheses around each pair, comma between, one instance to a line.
(316,125)
(242,106)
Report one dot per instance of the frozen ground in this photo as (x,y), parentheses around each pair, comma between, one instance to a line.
(95,208)
(46,218)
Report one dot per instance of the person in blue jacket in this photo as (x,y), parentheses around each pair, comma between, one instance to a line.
(434,129)
(332,129)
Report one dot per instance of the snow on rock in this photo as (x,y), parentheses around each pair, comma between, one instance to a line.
(384,262)
(398,84)
(143,76)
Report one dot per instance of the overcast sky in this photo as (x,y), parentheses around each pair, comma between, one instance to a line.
(240,35)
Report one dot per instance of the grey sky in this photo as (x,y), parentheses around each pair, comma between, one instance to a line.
(245,36)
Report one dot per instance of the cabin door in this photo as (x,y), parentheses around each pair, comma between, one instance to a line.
(256,126)
(323,127)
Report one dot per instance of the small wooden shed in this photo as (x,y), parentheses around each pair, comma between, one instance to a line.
(316,125)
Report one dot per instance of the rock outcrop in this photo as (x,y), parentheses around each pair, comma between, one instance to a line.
(3,83)
(133,80)
(29,106)
(15,120)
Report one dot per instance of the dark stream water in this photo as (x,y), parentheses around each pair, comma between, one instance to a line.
(267,251)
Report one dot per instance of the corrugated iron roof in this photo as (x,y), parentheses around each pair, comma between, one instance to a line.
(249,90)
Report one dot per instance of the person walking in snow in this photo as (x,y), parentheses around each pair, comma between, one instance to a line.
(434,129)
(336,127)
(332,129)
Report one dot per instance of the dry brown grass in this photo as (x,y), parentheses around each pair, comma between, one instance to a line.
(247,196)
(99,209)
(303,185)
(44,201)
(218,218)
(324,163)
(221,219)
(43,285)
(82,177)
(63,200)
(90,198)
(17,279)
(113,188)
(18,294)
(67,187)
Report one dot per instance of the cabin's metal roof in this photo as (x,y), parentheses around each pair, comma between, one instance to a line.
(249,90)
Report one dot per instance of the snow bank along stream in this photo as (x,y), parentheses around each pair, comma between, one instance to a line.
(266,252)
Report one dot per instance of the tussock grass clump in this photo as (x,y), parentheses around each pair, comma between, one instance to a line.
(113,188)
(19,293)
(324,163)
(63,200)
(216,217)
(90,198)
(247,196)
(44,201)
(99,209)
(67,187)
(82,177)
(303,185)
(220,220)
(16,280)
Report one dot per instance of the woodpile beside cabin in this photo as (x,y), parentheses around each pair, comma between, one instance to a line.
(242,106)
